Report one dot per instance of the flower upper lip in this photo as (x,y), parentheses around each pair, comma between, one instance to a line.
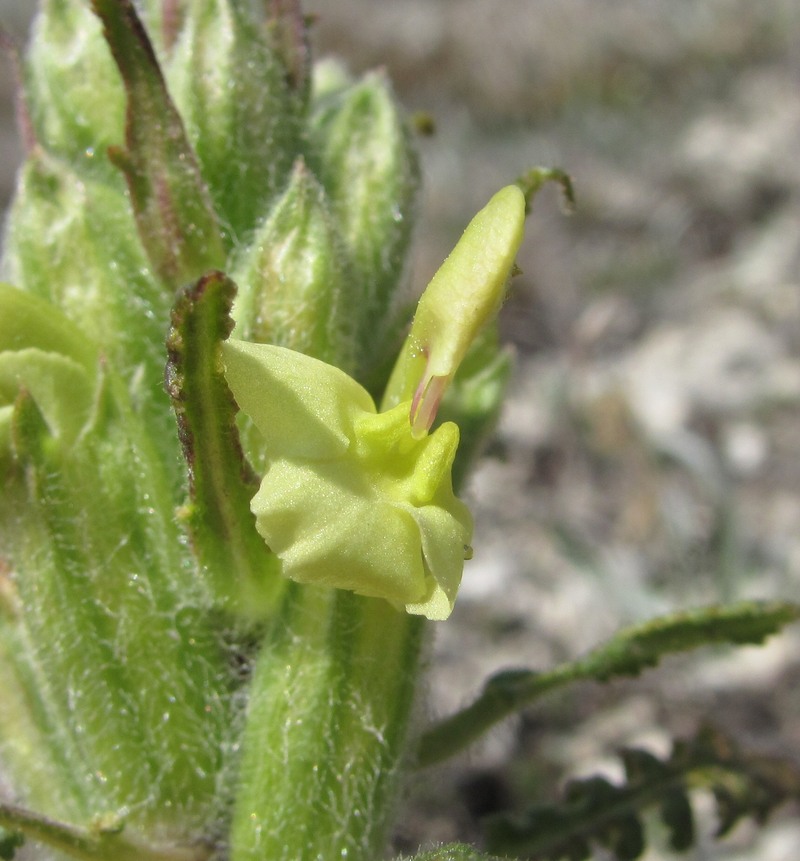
(463,295)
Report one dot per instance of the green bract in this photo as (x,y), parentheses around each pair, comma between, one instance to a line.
(350,498)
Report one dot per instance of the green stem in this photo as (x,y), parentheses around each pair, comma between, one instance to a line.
(326,729)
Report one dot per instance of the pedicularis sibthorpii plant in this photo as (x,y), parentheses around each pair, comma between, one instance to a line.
(228,512)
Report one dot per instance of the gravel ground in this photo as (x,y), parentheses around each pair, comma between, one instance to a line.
(647,457)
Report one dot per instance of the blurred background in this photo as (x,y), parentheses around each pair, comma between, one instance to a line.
(647,458)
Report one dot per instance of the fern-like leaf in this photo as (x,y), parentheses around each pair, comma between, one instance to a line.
(628,653)
(597,812)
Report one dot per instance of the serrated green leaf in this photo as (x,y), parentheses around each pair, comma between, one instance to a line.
(626,654)
(176,221)
(241,116)
(221,483)
(296,287)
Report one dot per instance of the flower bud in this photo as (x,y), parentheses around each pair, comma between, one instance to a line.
(295,288)
(329,77)
(364,158)
(240,115)
(73,90)
(73,242)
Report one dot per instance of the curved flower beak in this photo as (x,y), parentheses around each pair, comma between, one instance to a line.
(464,294)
